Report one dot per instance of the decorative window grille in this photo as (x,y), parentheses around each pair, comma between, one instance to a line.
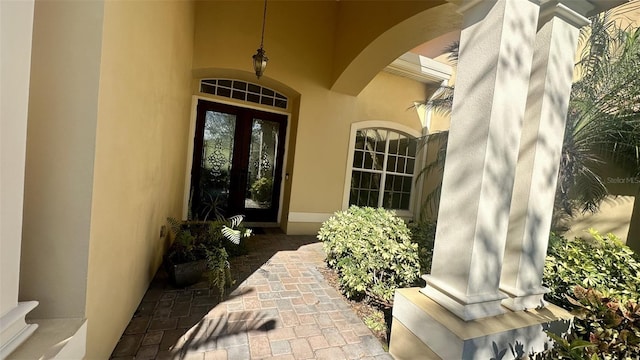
(382,170)
(245,91)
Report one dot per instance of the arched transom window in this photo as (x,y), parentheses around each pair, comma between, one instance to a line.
(383,165)
(245,91)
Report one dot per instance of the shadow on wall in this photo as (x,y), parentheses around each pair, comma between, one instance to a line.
(614,216)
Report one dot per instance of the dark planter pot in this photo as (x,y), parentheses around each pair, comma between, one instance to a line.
(181,275)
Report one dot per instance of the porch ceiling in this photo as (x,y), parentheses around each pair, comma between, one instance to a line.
(357,63)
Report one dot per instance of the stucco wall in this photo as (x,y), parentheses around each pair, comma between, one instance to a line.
(302,58)
(615,213)
(633,238)
(140,157)
(613,216)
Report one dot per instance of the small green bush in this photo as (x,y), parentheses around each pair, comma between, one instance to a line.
(602,263)
(372,252)
(424,234)
(262,189)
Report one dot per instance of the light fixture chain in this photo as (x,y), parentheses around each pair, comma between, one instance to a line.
(264,20)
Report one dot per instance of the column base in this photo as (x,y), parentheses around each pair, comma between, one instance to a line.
(523,300)
(14,330)
(55,339)
(463,306)
(421,324)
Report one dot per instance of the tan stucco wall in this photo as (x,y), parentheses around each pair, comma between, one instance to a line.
(633,238)
(61,129)
(302,58)
(613,216)
(140,157)
(615,212)
(372,34)
(357,28)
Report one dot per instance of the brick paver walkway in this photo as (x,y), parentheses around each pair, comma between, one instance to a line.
(281,308)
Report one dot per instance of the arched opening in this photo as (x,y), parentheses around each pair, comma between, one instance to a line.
(392,43)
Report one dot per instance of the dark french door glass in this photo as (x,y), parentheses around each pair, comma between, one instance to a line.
(237,162)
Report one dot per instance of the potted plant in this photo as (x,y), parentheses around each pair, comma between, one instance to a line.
(198,248)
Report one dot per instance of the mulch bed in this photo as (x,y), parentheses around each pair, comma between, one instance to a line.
(361,308)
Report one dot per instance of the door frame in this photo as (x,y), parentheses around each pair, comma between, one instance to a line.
(191,144)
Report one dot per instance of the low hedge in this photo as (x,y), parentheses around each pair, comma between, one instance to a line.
(372,252)
(602,263)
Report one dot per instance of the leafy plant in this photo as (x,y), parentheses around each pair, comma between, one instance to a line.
(603,263)
(206,240)
(613,326)
(567,346)
(604,328)
(262,189)
(375,321)
(424,234)
(371,250)
(603,122)
(218,269)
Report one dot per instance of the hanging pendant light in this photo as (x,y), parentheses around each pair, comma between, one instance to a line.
(260,59)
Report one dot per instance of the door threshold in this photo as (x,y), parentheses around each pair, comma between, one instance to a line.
(261,224)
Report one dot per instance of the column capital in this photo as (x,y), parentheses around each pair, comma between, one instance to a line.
(469,4)
(573,11)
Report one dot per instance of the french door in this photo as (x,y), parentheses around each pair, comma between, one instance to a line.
(237,162)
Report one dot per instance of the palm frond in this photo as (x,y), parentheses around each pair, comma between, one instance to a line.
(233,235)
(235,220)
(603,123)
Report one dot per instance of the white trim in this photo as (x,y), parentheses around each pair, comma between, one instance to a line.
(14,330)
(61,338)
(283,177)
(555,8)
(309,217)
(419,68)
(379,124)
(190,145)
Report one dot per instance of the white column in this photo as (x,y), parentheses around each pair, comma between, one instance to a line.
(496,51)
(540,151)
(16,24)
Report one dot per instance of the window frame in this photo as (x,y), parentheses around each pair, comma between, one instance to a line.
(391,126)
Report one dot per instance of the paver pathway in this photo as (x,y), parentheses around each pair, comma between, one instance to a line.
(282,308)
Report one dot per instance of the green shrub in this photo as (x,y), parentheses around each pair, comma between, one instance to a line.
(603,328)
(262,189)
(372,252)
(424,234)
(602,263)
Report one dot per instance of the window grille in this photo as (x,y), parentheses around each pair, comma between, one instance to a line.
(382,170)
(245,91)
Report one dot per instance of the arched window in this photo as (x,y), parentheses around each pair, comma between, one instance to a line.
(382,171)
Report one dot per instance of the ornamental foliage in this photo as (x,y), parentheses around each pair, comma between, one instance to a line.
(602,263)
(603,328)
(372,252)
